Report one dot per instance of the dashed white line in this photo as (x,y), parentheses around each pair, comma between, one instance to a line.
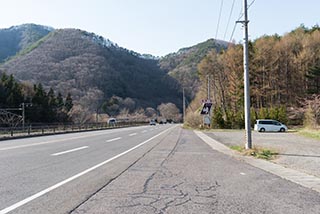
(41,193)
(106,132)
(132,134)
(71,150)
(114,139)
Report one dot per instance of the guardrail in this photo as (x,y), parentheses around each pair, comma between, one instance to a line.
(50,129)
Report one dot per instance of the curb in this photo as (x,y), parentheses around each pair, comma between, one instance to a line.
(303,179)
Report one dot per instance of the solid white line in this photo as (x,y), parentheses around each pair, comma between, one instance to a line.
(114,139)
(68,151)
(37,195)
(133,134)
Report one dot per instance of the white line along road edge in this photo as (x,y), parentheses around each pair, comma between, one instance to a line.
(37,195)
(71,150)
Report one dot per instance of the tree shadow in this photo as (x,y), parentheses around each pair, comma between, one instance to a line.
(297,155)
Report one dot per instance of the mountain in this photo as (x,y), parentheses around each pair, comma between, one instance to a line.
(183,65)
(92,69)
(17,38)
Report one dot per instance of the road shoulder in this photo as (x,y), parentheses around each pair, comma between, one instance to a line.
(292,175)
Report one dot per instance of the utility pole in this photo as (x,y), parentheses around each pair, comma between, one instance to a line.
(246,76)
(23,115)
(208,87)
(184,105)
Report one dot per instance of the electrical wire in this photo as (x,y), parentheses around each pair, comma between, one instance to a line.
(229,19)
(221,6)
(235,25)
(240,16)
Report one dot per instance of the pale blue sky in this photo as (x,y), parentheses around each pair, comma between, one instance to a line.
(160,27)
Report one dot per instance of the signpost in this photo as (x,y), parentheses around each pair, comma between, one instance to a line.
(206,108)
(205,111)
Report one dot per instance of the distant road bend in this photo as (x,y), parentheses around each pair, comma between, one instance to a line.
(54,174)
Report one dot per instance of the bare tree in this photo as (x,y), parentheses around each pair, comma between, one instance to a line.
(169,111)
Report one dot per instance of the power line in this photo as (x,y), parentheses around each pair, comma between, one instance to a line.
(240,16)
(221,5)
(231,11)
(251,3)
(235,25)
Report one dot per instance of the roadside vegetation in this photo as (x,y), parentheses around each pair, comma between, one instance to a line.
(310,133)
(278,64)
(256,152)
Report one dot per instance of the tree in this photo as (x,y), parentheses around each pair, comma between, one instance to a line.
(68,103)
(169,111)
(313,80)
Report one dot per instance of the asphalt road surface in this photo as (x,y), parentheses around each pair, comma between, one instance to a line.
(161,169)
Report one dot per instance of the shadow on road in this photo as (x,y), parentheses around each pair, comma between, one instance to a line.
(297,155)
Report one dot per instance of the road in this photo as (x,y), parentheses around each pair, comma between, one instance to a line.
(162,169)
(54,174)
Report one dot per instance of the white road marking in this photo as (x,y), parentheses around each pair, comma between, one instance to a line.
(39,194)
(61,140)
(144,131)
(114,139)
(242,173)
(133,134)
(68,151)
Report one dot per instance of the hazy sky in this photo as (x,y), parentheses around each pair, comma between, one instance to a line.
(160,27)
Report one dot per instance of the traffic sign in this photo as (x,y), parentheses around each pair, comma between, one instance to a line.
(206,108)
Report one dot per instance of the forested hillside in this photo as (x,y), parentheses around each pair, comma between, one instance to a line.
(284,78)
(94,70)
(17,38)
(40,106)
(183,65)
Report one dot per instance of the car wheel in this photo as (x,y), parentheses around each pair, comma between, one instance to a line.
(262,130)
(282,130)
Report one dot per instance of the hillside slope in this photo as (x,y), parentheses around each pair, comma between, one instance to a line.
(183,65)
(17,38)
(93,69)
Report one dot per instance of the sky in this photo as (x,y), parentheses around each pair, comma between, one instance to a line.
(160,27)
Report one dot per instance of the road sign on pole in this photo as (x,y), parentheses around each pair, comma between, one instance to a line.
(206,108)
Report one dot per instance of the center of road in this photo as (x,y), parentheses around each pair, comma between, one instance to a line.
(71,150)
(49,189)
(114,139)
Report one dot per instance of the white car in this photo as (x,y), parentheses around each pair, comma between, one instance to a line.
(152,122)
(269,126)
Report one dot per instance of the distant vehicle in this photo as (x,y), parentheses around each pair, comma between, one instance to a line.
(163,121)
(269,126)
(152,122)
(112,122)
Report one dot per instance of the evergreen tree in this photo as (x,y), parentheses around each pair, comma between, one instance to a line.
(69,103)
(313,79)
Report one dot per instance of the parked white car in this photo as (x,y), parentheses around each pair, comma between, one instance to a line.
(269,126)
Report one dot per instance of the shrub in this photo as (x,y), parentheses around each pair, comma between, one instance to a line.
(193,120)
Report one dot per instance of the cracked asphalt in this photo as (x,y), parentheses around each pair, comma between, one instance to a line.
(182,174)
